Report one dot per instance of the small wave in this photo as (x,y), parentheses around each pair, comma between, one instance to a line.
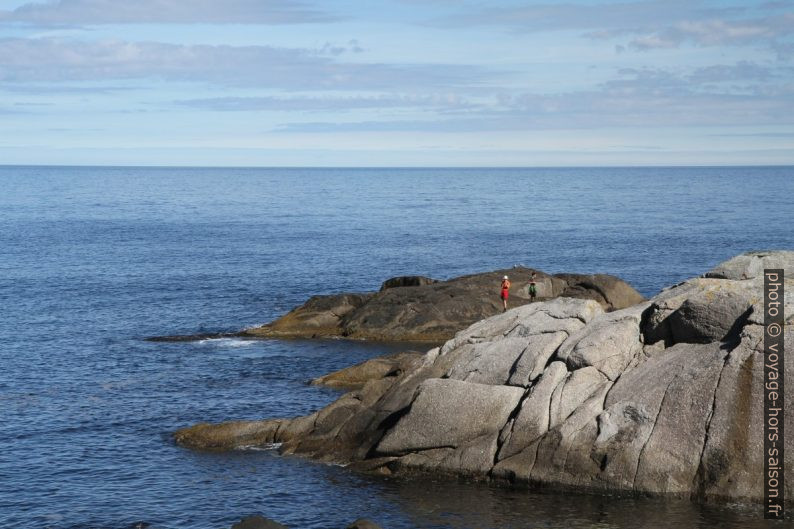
(260,448)
(227,342)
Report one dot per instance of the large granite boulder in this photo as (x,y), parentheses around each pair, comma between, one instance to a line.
(609,291)
(415,308)
(750,265)
(664,397)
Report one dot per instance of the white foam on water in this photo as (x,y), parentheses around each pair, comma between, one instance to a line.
(226,342)
(260,448)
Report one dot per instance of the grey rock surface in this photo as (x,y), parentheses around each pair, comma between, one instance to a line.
(751,265)
(449,413)
(609,343)
(534,413)
(489,362)
(710,314)
(533,360)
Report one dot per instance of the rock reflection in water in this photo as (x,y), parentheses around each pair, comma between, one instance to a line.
(430,504)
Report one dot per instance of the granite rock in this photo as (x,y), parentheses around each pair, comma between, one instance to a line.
(663,397)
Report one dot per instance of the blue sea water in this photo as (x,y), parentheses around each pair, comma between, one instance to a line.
(93,260)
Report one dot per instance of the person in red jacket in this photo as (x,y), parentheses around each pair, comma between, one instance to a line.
(505,292)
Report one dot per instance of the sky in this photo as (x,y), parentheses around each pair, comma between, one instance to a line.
(396,82)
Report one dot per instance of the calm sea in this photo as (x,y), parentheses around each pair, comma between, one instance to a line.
(92,260)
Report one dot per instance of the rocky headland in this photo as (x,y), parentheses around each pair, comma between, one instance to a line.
(421,309)
(415,308)
(661,397)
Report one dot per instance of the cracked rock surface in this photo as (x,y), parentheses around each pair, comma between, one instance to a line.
(662,397)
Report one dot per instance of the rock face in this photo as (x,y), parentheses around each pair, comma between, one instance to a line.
(664,397)
(415,308)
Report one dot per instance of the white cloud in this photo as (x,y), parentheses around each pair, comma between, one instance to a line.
(572,16)
(718,32)
(328,103)
(64,60)
(87,12)
(742,71)
(655,24)
(742,94)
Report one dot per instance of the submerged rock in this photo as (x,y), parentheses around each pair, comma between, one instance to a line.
(363,523)
(664,397)
(415,308)
(257,522)
(192,337)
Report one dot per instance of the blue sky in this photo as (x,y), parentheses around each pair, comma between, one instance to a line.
(396,82)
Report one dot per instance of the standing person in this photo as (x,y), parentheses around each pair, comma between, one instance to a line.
(533,288)
(505,292)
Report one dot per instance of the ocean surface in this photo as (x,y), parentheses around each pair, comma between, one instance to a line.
(93,260)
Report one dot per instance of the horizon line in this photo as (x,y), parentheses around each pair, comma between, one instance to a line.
(608,166)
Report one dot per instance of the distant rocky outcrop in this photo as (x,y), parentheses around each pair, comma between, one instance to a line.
(664,397)
(415,308)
